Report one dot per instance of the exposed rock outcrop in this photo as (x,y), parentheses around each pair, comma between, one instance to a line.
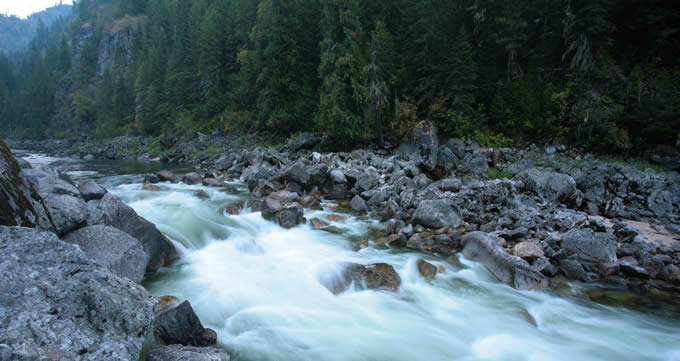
(56,304)
(20,203)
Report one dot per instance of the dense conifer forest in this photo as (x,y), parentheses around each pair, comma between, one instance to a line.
(601,74)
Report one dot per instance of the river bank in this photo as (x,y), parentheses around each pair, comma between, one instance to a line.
(531,218)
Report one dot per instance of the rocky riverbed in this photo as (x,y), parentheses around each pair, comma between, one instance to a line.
(535,218)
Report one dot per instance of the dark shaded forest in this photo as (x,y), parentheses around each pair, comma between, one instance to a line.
(601,74)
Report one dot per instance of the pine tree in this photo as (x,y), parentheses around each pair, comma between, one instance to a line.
(343,92)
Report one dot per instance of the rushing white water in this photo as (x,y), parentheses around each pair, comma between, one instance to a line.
(261,288)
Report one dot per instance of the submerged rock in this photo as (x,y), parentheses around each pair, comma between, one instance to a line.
(380,276)
(59,305)
(114,249)
(426,269)
(480,247)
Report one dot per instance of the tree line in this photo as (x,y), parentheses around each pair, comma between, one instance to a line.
(602,74)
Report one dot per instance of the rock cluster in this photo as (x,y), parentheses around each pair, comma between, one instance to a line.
(547,209)
(78,297)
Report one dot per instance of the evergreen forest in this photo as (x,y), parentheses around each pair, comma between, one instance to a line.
(600,74)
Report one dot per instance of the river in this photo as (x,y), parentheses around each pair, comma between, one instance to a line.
(261,288)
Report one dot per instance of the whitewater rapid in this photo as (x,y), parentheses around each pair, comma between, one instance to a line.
(260,287)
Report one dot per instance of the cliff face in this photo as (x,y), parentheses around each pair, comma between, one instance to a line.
(114,48)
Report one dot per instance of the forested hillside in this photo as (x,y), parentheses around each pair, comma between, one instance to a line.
(602,74)
(16,33)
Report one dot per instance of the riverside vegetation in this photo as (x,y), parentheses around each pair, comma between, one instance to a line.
(599,74)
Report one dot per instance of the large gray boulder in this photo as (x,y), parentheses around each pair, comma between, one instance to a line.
(552,187)
(187,353)
(68,213)
(48,180)
(114,249)
(56,304)
(20,203)
(257,172)
(111,211)
(590,246)
(436,214)
(482,248)
(298,173)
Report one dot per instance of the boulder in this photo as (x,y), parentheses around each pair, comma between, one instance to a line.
(633,270)
(590,246)
(68,212)
(257,172)
(544,266)
(422,147)
(381,276)
(165,176)
(180,325)
(358,204)
(114,249)
(290,216)
(481,247)
(298,173)
(282,207)
(151,179)
(90,190)
(528,251)
(192,178)
(426,269)
(59,305)
(47,180)
(338,177)
(318,176)
(187,353)
(311,202)
(550,186)
(660,202)
(573,270)
(20,203)
(436,214)
(111,211)
(366,181)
